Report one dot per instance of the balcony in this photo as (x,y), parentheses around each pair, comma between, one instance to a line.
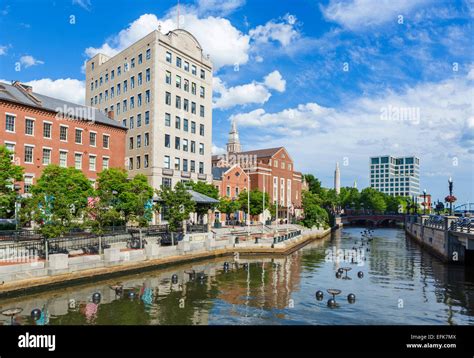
(167,171)
(202,176)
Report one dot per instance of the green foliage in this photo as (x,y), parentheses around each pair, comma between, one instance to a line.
(314,184)
(373,200)
(178,203)
(205,189)
(9,173)
(57,200)
(256,201)
(349,197)
(228,206)
(314,214)
(135,201)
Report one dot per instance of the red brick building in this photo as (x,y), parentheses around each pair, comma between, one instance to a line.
(230,181)
(270,170)
(42,130)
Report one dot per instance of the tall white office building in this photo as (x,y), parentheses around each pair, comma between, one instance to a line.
(396,176)
(160,88)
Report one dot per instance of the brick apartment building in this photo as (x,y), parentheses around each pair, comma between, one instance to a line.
(270,170)
(41,130)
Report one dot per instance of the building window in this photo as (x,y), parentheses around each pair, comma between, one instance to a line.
(148,54)
(186,85)
(28,180)
(166,182)
(47,130)
(185,145)
(168,57)
(185,125)
(203,74)
(178,122)
(166,162)
(202,92)
(46,156)
(139,141)
(63,158)
(178,62)
(119,72)
(130,163)
(105,163)
(168,77)
(92,162)
(193,69)
(167,119)
(178,102)
(132,102)
(201,168)
(131,122)
(186,66)
(227,191)
(147,117)
(130,143)
(147,75)
(201,148)
(193,146)
(140,79)
(106,141)
(193,88)
(132,63)
(92,139)
(201,129)
(193,127)
(78,160)
(28,154)
(139,120)
(78,136)
(193,166)
(177,164)
(186,105)
(178,81)
(140,59)
(145,161)
(138,162)
(29,126)
(201,111)
(177,143)
(185,165)
(147,96)
(193,107)
(147,139)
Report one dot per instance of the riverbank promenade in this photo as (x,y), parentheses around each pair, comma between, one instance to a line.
(36,264)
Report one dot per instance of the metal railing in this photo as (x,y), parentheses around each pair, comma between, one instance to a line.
(460,226)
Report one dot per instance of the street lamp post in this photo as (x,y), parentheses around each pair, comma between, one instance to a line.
(450,185)
(424,202)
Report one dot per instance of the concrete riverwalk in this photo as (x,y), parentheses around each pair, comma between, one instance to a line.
(61,269)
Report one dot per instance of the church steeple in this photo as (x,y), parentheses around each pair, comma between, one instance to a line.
(233,144)
(337,179)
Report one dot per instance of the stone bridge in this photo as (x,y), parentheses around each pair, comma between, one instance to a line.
(374,219)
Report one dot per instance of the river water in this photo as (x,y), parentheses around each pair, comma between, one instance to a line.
(401,284)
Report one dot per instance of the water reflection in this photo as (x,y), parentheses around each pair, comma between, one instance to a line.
(400,285)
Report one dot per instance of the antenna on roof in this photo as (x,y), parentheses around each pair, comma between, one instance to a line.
(177,20)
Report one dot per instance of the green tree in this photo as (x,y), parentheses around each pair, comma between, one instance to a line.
(9,174)
(205,189)
(314,214)
(135,201)
(228,206)
(314,184)
(256,202)
(58,200)
(373,200)
(178,203)
(349,197)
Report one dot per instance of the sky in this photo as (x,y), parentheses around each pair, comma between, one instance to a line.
(332,81)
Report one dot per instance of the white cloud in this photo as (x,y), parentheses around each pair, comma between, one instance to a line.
(318,136)
(217,150)
(29,61)
(359,14)
(85,4)
(218,37)
(283,32)
(275,81)
(250,93)
(68,89)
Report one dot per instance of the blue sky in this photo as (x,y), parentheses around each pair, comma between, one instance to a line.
(328,80)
